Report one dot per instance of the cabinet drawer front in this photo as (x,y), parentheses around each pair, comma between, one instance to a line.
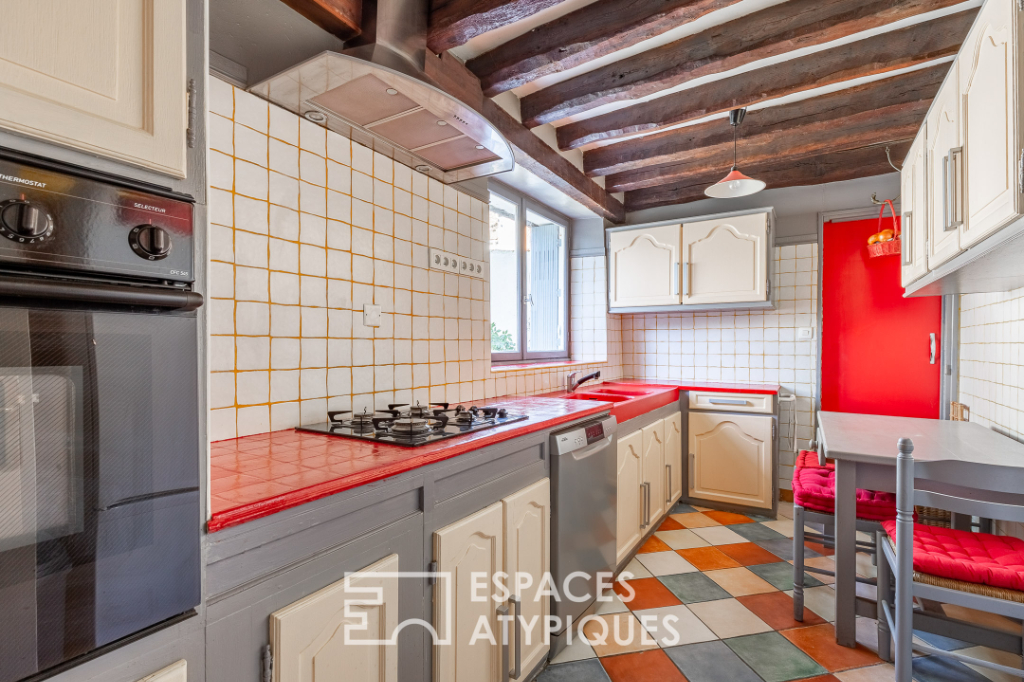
(731,402)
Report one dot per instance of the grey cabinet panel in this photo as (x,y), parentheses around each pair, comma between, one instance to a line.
(238,626)
(479,472)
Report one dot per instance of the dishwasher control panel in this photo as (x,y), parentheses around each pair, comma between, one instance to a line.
(576,439)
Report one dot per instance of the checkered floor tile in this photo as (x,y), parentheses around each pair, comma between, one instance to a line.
(711,602)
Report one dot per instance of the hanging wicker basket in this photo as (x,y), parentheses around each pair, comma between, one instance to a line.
(891,247)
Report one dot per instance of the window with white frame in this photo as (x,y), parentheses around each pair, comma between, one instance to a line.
(529,280)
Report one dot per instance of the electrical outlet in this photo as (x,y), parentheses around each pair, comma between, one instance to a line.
(804,333)
(371,315)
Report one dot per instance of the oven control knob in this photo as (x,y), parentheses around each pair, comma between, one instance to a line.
(150,242)
(24,221)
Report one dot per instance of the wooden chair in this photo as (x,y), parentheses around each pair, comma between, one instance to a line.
(809,462)
(950,566)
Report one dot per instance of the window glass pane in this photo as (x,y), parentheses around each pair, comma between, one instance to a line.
(504,275)
(545,284)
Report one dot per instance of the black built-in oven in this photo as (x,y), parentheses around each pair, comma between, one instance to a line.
(99,419)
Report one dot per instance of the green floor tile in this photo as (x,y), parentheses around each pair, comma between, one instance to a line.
(774,658)
(781,575)
(691,588)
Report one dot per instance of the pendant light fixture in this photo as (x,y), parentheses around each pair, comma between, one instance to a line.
(735,184)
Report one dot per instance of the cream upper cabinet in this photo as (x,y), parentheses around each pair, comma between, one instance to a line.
(945,179)
(673,458)
(654,470)
(105,76)
(987,70)
(471,545)
(914,223)
(731,458)
(629,507)
(176,672)
(643,267)
(726,260)
(312,638)
(528,554)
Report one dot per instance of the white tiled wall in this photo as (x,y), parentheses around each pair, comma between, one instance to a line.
(305,228)
(743,346)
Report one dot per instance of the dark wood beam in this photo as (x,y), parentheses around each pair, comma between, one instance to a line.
(456,22)
(885,125)
(593,31)
(816,170)
(343,18)
(880,54)
(771,32)
(530,151)
(705,141)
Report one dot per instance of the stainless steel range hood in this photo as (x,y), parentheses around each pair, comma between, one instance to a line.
(377,94)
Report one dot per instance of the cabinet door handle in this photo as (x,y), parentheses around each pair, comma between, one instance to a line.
(728,401)
(693,468)
(649,496)
(516,670)
(668,487)
(686,279)
(956,203)
(502,612)
(643,506)
(945,193)
(907,236)
(931,347)
(675,279)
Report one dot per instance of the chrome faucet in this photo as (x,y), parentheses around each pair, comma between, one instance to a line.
(571,384)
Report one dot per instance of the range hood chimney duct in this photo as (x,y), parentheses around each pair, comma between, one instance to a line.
(376,93)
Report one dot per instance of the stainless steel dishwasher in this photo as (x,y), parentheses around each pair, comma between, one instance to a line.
(582,511)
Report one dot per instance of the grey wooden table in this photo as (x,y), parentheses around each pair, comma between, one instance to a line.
(864,448)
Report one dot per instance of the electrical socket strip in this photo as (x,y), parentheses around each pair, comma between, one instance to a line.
(449,262)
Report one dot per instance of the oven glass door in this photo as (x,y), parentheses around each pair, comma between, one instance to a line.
(99,474)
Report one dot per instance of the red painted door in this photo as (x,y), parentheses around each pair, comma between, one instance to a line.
(874,343)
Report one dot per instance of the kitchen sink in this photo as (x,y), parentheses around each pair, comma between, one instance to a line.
(606,397)
(618,391)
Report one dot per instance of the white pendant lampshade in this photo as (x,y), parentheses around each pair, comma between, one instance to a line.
(735,184)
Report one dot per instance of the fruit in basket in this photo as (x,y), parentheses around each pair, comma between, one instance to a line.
(873,239)
(886,236)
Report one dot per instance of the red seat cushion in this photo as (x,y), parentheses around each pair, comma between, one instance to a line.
(809,458)
(995,560)
(814,488)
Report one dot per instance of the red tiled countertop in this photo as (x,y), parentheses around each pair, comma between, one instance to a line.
(259,475)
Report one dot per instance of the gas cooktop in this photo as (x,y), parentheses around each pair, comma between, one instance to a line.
(414,425)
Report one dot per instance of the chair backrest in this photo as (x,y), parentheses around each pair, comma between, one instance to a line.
(954,489)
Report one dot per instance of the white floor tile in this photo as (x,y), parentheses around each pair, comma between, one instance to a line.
(821,600)
(579,650)
(675,626)
(665,563)
(720,535)
(681,539)
(637,569)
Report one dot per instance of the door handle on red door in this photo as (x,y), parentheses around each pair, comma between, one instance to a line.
(931,346)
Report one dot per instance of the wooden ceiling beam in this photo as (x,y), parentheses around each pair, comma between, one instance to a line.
(456,22)
(705,141)
(816,170)
(771,32)
(593,31)
(884,125)
(884,53)
(530,151)
(343,18)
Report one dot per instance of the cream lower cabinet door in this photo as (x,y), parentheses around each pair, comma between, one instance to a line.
(987,73)
(629,505)
(106,77)
(914,225)
(643,267)
(726,260)
(175,672)
(674,458)
(314,639)
(731,458)
(528,555)
(944,173)
(654,470)
(473,545)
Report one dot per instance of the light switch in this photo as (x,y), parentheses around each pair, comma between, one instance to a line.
(371,315)
(804,333)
